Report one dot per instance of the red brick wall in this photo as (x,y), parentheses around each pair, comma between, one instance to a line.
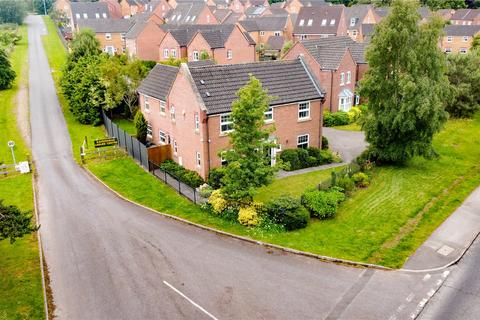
(242,51)
(287,128)
(148,42)
(168,42)
(199,44)
(206,17)
(347,64)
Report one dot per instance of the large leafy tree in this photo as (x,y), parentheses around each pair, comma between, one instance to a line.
(83,44)
(444,4)
(7,75)
(12,11)
(42,6)
(464,75)
(14,223)
(248,167)
(405,85)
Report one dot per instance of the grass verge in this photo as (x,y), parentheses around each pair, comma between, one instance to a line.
(21,292)
(364,224)
(349,127)
(126,125)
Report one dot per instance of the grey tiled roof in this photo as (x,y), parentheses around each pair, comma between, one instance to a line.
(314,3)
(278,11)
(159,81)
(217,34)
(89,8)
(221,14)
(265,23)
(465,14)
(461,30)
(357,12)
(275,42)
(328,52)
(200,63)
(367,29)
(187,12)
(317,15)
(135,30)
(287,81)
(232,18)
(106,25)
(382,11)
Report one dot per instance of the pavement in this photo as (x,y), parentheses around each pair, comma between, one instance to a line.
(110,259)
(449,242)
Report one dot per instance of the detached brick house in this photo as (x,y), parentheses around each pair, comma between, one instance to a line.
(189,108)
(320,22)
(143,40)
(466,17)
(356,17)
(458,38)
(111,33)
(223,43)
(261,29)
(338,63)
(132,7)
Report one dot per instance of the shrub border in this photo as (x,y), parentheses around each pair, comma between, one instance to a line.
(339,261)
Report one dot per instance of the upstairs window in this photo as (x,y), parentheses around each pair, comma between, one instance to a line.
(324,22)
(172,113)
(226,124)
(277,33)
(198,158)
(449,39)
(332,22)
(195,56)
(269,115)
(85,16)
(165,53)
(146,104)
(104,15)
(122,35)
(262,33)
(108,36)
(465,39)
(349,77)
(97,15)
(149,130)
(77,15)
(301,23)
(304,110)
(303,37)
(352,22)
(197,121)
(162,107)
(229,54)
(310,22)
(342,79)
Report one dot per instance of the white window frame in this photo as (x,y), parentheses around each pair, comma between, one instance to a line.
(85,16)
(301,144)
(463,50)
(277,33)
(162,137)
(97,15)
(448,50)
(346,105)
(342,78)
(77,15)
(324,22)
(229,54)
(146,104)
(449,38)
(226,123)
(269,115)
(149,130)
(110,49)
(354,33)
(349,77)
(332,22)
(166,53)
(163,106)
(175,147)
(196,119)
(208,18)
(108,36)
(122,36)
(262,33)
(352,22)
(172,113)
(198,159)
(309,22)
(301,23)
(173,52)
(465,38)
(104,15)
(196,55)
(304,110)
(303,37)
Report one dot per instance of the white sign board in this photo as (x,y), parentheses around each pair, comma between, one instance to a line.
(23,167)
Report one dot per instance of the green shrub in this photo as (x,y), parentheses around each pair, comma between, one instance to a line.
(326,156)
(249,216)
(322,204)
(346,183)
(288,212)
(189,177)
(215,177)
(339,118)
(290,157)
(314,152)
(311,162)
(141,126)
(302,157)
(354,114)
(324,143)
(205,191)
(361,179)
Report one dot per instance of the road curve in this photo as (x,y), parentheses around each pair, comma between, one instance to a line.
(110,259)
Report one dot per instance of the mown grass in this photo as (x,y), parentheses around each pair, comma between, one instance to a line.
(57,56)
(364,224)
(8,123)
(293,185)
(21,294)
(350,127)
(126,125)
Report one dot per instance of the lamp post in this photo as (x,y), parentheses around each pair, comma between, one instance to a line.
(44,7)
(11,144)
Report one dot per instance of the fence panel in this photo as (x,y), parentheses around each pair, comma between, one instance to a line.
(121,140)
(144,154)
(130,146)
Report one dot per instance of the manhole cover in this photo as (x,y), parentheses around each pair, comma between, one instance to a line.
(445,250)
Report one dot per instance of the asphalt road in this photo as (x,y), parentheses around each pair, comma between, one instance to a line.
(459,297)
(109,259)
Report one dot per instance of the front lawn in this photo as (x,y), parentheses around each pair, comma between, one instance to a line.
(127,126)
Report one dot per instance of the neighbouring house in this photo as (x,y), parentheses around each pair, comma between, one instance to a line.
(226,44)
(293,6)
(189,108)
(157,8)
(88,10)
(222,14)
(274,46)
(222,4)
(114,8)
(241,5)
(175,3)
(143,40)
(356,17)
(338,63)
(445,13)
(191,13)
(261,29)
(232,18)
(63,6)
(367,31)
(458,38)
(132,7)
(320,22)
(466,17)
(111,33)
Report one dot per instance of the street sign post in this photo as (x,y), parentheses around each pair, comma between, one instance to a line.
(11,144)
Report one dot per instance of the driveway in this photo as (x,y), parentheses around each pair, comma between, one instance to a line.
(349,144)
(110,259)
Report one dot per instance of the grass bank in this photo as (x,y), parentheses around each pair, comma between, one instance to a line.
(350,127)
(382,224)
(21,293)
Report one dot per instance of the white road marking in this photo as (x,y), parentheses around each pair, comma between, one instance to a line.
(427,276)
(189,300)
(431,293)
(446,273)
(410,297)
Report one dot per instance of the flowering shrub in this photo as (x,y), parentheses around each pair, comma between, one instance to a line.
(361,179)
(248,216)
(219,204)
